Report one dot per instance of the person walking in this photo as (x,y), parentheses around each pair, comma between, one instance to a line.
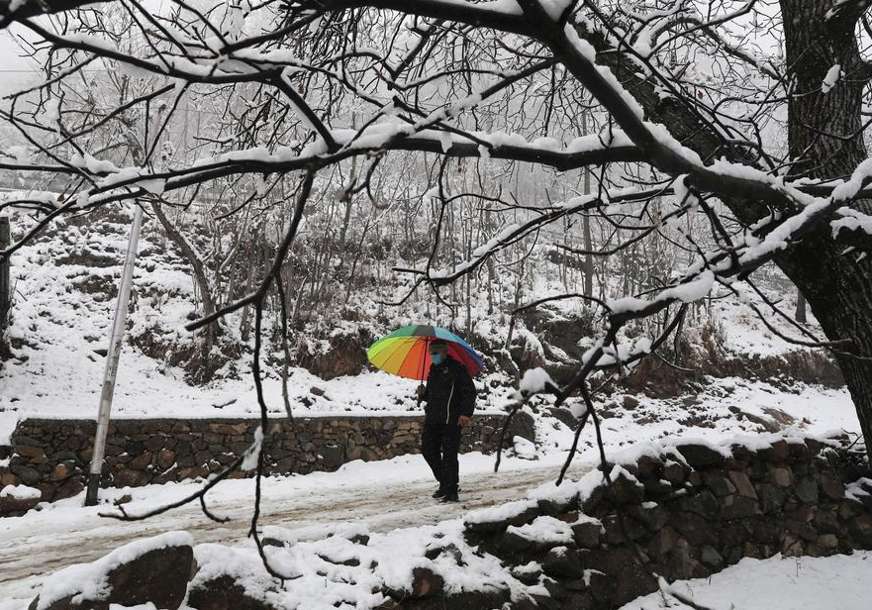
(450,401)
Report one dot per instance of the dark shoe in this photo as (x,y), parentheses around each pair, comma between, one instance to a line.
(450,497)
(439,493)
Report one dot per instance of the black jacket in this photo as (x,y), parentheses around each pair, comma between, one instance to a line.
(450,393)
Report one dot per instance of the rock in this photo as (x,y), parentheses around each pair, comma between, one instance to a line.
(662,542)
(27,475)
(563,563)
(791,546)
(224,593)
(616,534)
(682,565)
(316,390)
(528,573)
(781,476)
(806,489)
(136,576)
(69,488)
(564,416)
(131,478)
(166,458)
(625,489)
(34,455)
(18,499)
(520,517)
(694,528)
(704,504)
(587,533)
(657,488)
(771,497)
(62,471)
(556,508)
(648,467)
(826,521)
(831,486)
(827,541)
(860,529)
(332,455)
(711,558)
(719,483)
(674,473)
(630,402)
(738,507)
(654,516)
(777,453)
(742,484)
(602,586)
(522,425)
(630,579)
(426,583)
(511,543)
(700,456)
(141,461)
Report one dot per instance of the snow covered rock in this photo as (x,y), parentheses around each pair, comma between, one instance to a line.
(17,499)
(563,562)
(224,593)
(154,570)
(700,455)
(524,449)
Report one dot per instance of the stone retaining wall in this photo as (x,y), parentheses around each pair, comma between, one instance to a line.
(686,513)
(53,455)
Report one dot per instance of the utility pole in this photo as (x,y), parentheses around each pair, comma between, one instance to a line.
(118,326)
(5,286)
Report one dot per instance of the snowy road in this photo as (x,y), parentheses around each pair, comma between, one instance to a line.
(397,494)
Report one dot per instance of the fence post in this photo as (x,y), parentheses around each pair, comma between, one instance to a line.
(5,285)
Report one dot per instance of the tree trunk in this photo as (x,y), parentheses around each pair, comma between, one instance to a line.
(837,288)
(839,293)
(200,277)
(801,315)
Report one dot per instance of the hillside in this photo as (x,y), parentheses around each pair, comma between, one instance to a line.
(65,287)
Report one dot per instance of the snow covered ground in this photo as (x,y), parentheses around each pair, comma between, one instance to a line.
(382,496)
(840,582)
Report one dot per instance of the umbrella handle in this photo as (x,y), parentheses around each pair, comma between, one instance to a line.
(423,361)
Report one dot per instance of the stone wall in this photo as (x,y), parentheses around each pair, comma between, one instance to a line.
(686,513)
(53,455)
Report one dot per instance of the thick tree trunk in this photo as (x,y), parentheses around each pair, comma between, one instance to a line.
(838,288)
(839,293)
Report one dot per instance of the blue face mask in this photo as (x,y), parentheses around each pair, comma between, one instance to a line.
(437,359)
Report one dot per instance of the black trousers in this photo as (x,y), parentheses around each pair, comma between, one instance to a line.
(440,444)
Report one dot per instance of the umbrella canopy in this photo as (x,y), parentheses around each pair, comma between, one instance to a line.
(406,351)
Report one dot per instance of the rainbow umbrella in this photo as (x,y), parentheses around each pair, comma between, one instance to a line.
(406,351)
